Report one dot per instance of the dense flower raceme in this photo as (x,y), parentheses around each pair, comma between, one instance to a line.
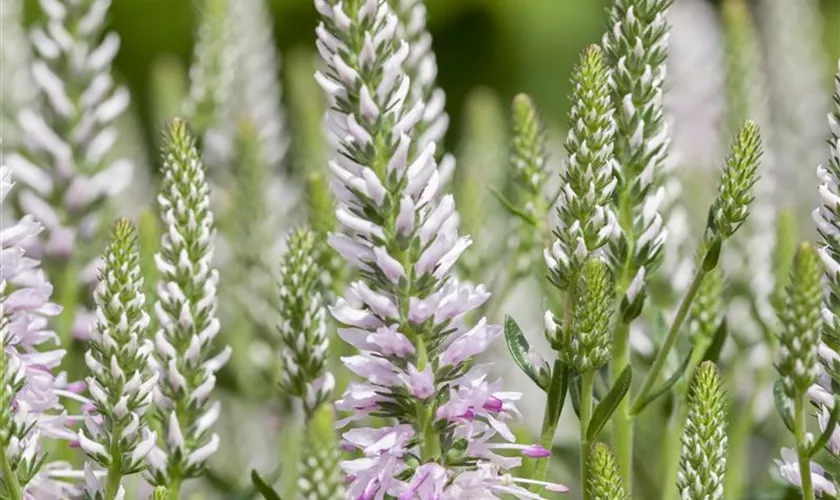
(586,221)
(185,354)
(303,326)
(421,68)
(117,438)
(31,411)
(73,74)
(636,49)
(407,315)
(68,168)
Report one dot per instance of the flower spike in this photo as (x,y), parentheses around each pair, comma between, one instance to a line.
(586,219)
(704,441)
(117,437)
(185,353)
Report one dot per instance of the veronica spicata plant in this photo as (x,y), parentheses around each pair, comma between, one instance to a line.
(185,355)
(798,366)
(303,373)
(32,413)
(117,437)
(406,314)
(68,168)
(703,458)
(421,69)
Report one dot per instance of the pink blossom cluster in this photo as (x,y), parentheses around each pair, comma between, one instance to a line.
(408,316)
(35,412)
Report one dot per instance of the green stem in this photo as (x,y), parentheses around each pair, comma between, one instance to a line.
(174,488)
(586,384)
(802,448)
(622,423)
(430,448)
(112,486)
(13,488)
(550,419)
(670,340)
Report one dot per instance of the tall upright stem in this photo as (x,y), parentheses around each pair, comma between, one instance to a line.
(550,419)
(622,423)
(801,448)
(662,355)
(586,385)
(112,486)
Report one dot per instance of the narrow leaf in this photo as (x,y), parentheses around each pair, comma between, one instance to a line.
(639,406)
(265,490)
(513,209)
(574,393)
(519,349)
(782,404)
(829,428)
(557,392)
(713,351)
(607,406)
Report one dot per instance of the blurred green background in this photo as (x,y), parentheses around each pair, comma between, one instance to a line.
(508,45)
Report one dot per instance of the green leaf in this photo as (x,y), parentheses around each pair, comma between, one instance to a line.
(557,392)
(265,490)
(713,351)
(574,393)
(710,260)
(519,348)
(639,406)
(513,209)
(829,428)
(782,404)
(607,406)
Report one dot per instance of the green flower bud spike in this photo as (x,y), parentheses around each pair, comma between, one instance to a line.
(704,442)
(588,340)
(118,357)
(303,328)
(586,221)
(320,477)
(605,482)
(799,334)
(797,358)
(528,157)
(735,190)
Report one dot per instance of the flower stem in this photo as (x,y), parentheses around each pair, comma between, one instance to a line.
(430,449)
(174,488)
(10,478)
(670,340)
(622,423)
(112,486)
(802,449)
(586,385)
(550,419)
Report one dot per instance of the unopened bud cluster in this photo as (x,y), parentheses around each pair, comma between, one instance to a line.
(587,221)
(120,383)
(303,327)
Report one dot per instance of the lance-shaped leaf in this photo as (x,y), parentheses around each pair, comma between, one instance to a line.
(527,360)
(607,406)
